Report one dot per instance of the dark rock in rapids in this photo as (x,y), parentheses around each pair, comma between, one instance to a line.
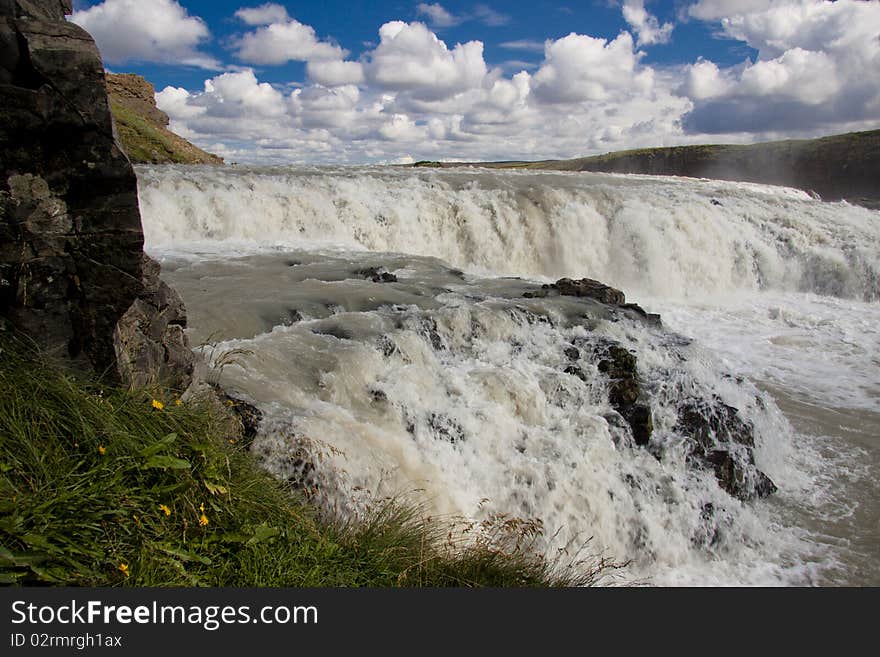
(722,440)
(377,275)
(624,390)
(587,287)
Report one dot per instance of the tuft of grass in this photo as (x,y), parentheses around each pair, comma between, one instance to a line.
(104,487)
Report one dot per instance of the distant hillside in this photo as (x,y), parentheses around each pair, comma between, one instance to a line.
(142,127)
(838,167)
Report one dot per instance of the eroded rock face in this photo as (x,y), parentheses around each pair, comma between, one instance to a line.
(73,275)
(151,346)
(70,254)
(138,94)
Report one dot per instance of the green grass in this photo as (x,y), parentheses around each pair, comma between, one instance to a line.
(144,142)
(100,488)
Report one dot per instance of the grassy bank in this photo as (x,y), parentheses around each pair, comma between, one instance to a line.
(146,142)
(101,487)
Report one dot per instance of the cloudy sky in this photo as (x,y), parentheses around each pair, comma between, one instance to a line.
(361,81)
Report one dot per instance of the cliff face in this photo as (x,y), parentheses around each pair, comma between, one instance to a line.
(838,167)
(142,127)
(71,243)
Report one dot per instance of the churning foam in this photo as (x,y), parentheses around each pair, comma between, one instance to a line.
(491,422)
(661,236)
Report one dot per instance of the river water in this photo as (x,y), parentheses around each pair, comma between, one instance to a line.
(449,385)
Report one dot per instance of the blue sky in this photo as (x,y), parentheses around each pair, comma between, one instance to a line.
(390,80)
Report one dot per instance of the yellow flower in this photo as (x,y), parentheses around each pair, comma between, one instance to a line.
(203,520)
(158,405)
(229,402)
(177,402)
(123,568)
(202,507)
(164,509)
(102,450)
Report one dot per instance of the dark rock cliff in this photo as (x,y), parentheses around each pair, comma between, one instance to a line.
(837,167)
(71,243)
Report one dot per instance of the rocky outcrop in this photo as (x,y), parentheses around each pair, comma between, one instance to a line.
(593,289)
(143,127)
(151,346)
(70,260)
(138,95)
(72,270)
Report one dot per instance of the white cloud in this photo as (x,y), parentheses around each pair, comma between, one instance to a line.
(705,80)
(411,58)
(263,15)
(241,92)
(578,68)
(413,95)
(711,10)
(800,75)
(174,101)
(279,43)
(818,65)
(437,15)
(146,30)
(648,29)
(335,73)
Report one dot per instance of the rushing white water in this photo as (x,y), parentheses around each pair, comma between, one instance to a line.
(451,383)
(653,235)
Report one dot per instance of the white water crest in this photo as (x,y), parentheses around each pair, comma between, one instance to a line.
(449,382)
(661,236)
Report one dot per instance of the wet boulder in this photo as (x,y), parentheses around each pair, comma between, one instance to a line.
(377,275)
(723,441)
(587,287)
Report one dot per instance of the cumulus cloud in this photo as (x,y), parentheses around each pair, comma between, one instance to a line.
(648,29)
(711,10)
(412,95)
(335,73)
(705,80)
(818,65)
(146,30)
(579,68)
(411,58)
(415,95)
(281,42)
(263,15)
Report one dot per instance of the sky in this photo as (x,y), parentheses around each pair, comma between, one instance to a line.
(395,81)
